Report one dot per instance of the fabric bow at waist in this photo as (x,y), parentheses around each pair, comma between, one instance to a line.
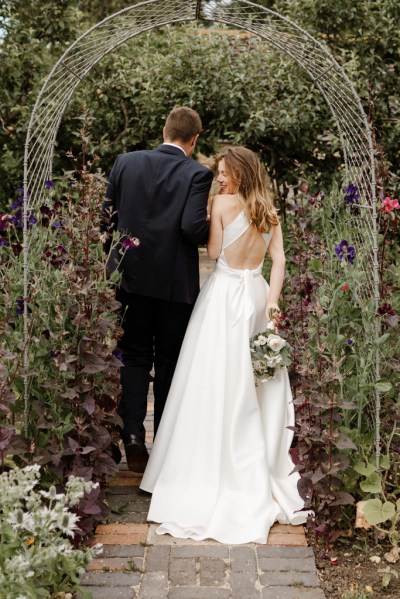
(247,276)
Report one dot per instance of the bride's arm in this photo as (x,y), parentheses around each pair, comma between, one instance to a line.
(214,243)
(277,253)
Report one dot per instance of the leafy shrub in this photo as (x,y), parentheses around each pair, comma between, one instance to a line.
(70,421)
(37,558)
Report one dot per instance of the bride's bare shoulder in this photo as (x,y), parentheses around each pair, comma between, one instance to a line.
(225,199)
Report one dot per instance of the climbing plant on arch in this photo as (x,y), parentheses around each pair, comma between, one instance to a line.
(278,31)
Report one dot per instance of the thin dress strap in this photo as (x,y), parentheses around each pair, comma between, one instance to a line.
(234,230)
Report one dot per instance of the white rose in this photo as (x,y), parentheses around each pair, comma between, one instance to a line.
(276,343)
(261,340)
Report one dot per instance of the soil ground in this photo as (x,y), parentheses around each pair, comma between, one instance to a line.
(353,569)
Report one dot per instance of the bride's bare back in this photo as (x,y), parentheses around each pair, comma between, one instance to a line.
(248,251)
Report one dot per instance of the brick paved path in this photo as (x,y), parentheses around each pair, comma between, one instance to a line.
(138,564)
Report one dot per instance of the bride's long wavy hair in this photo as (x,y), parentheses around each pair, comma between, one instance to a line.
(249,175)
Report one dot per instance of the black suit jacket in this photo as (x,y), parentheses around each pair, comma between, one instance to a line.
(160,197)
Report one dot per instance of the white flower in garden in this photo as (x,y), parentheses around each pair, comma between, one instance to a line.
(275,342)
(52,494)
(67,523)
(262,340)
(21,520)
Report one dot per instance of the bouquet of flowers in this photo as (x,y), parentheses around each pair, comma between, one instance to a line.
(269,353)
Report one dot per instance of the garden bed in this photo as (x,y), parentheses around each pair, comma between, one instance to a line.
(353,575)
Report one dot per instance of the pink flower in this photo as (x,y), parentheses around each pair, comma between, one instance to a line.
(304,188)
(390,204)
(130,242)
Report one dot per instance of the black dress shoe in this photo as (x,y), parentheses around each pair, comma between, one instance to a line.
(136,454)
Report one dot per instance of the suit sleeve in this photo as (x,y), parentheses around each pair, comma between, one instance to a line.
(194,219)
(109,215)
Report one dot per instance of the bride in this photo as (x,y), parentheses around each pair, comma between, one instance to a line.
(220,465)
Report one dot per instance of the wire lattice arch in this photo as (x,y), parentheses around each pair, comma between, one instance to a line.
(282,34)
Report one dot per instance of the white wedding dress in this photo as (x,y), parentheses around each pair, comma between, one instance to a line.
(220,466)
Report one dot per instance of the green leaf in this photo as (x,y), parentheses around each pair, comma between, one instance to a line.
(383,386)
(376,512)
(384,462)
(372,484)
(384,338)
(363,469)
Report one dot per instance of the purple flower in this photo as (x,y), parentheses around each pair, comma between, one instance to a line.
(32,219)
(346,251)
(127,244)
(3,243)
(20,192)
(352,194)
(351,254)
(351,189)
(17,203)
(17,221)
(350,341)
(20,307)
(130,242)
(117,354)
(48,184)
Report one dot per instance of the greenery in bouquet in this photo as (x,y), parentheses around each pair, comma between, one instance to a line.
(269,353)
(37,557)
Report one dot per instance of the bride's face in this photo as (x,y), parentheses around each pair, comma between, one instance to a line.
(226,183)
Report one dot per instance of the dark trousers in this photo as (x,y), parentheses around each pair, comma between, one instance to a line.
(153,333)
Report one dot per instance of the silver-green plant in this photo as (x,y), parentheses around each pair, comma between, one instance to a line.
(37,557)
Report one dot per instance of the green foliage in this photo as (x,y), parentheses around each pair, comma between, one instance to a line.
(245,91)
(37,558)
(236,83)
(365,39)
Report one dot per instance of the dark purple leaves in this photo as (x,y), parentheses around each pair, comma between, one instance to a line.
(6,435)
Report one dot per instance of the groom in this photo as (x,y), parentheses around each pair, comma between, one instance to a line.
(157,199)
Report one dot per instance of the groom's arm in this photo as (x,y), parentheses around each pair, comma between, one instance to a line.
(194,219)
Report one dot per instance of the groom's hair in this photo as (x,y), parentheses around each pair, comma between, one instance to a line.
(182,124)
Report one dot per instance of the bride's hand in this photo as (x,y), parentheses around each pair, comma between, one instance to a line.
(272,312)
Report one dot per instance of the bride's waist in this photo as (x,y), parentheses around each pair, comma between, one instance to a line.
(223,268)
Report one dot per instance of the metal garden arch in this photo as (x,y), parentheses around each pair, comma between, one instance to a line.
(284,35)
